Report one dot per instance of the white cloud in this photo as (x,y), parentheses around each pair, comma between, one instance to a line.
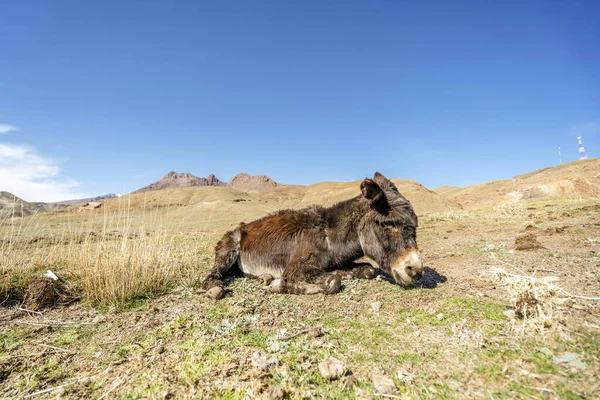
(32,177)
(4,128)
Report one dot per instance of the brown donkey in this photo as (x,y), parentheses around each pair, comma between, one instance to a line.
(307,251)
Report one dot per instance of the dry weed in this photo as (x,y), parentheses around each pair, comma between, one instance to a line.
(104,257)
(535,299)
(512,208)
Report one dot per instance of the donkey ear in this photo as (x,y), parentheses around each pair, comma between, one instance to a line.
(380,179)
(371,190)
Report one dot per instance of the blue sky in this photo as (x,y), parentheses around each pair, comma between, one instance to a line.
(99,97)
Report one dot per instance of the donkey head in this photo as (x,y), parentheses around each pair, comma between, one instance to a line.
(388,231)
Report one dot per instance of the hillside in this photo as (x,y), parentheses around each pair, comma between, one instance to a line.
(328,193)
(224,207)
(13,206)
(575,179)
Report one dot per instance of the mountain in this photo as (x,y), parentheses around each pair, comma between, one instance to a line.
(179,180)
(252,183)
(11,205)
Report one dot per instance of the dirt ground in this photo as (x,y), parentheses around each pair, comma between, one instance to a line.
(452,336)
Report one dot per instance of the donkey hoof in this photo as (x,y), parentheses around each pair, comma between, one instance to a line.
(334,285)
(215,293)
(275,286)
(367,273)
(266,279)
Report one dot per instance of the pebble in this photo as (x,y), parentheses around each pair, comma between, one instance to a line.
(509,314)
(98,319)
(383,384)
(404,376)
(331,368)
(375,306)
(276,393)
(260,361)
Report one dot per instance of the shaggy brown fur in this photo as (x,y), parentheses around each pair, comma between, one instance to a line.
(308,250)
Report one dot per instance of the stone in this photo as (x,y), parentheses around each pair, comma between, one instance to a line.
(276,393)
(262,362)
(509,314)
(331,368)
(376,306)
(99,319)
(383,384)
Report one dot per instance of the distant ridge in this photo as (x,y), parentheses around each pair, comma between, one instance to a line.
(179,180)
(11,205)
(86,200)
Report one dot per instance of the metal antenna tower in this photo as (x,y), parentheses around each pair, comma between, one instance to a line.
(582,155)
(559,157)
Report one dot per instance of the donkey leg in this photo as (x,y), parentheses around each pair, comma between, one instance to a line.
(354,270)
(227,253)
(305,274)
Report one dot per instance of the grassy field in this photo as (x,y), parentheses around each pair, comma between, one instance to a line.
(134,324)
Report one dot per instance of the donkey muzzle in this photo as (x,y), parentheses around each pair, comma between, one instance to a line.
(408,268)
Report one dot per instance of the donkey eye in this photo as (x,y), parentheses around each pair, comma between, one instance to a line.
(393,228)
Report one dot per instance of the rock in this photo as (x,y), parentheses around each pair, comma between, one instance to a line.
(332,368)
(376,306)
(262,362)
(440,316)
(348,381)
(383,384)
(509,314)
(529,226)
(99,319)
(215,293)
(316,332)
(51,275)
(527,241)
(571,359)
(404,376)
(276,393)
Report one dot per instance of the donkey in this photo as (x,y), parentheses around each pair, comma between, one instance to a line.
(308,251)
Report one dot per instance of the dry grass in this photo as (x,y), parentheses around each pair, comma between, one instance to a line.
(510,208)
(448,216)
(104,257)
